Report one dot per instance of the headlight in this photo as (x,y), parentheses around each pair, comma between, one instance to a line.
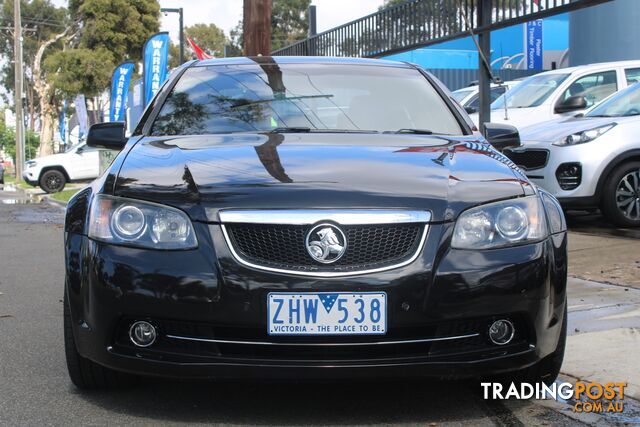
(584,136)
(135,223)
(511,222)
(31,163)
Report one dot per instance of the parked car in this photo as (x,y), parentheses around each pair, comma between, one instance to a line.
(591,160)
(469,97)
(311,217)
(52,173)
(561,93)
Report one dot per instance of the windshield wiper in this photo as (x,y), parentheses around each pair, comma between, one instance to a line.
(289,98)
(414,131)
(292,129)
(304,129)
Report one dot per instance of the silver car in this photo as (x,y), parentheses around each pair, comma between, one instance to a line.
(590,160)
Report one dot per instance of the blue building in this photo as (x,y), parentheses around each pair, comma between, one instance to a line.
(538,45)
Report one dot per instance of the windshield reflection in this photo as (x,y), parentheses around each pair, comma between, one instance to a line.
(531,92)
(266,96)
(622,104)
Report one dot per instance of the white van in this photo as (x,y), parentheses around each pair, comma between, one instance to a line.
(562,92)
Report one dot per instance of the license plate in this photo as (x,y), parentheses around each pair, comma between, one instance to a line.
(327,313)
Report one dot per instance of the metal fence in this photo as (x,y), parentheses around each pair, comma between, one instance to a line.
(458,78)
(419,23)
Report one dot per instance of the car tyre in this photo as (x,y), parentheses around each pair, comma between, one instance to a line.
(52,181)
(84,373)
(622,186)
(546,370)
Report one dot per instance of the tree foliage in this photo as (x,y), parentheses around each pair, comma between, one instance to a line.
(119,26)
(209,37)
(109,32)
(289,22)
(42,20)
(8,141)
(82,70)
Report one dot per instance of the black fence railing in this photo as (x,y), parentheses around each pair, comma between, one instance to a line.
(419,23)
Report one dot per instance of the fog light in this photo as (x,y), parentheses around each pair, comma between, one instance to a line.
(501,332)
(142,334)
(569,175)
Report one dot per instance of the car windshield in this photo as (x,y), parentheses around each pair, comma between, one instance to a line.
(267,96)
(531,92)
(460,94)
(624,103)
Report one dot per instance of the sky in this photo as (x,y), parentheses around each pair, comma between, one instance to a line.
(226,13)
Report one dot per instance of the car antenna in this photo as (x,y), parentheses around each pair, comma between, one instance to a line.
(485,62)
(506,89)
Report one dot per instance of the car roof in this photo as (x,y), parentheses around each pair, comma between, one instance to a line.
(243,60)
(597,65)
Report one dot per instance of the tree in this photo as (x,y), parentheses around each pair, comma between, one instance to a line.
(106,32)
(119,26)
(209,37)
(391,3)
(289,22)
(42,21)
(8,140)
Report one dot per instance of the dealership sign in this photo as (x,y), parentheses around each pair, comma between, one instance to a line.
(155,55)
(119,89)
(533,44)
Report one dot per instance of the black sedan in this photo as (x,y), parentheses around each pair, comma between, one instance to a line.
(292,218)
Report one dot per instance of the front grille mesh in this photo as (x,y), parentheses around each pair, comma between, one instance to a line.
(528,159)
(283,246)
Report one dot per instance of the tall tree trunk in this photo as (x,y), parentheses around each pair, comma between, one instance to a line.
(47,121)
(47,105)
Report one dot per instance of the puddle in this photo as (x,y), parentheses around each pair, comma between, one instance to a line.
(17,197)
(18,201)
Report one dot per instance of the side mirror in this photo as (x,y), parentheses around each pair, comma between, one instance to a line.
(110,135)
(502,136)
(470,110)
(576,102)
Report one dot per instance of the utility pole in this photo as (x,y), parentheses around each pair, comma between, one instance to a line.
(17,49)
(313,30)
(484,72)
(256,27)
(180,12)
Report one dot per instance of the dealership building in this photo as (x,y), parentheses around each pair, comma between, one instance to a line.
(606,32)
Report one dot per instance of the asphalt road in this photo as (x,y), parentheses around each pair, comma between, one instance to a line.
(35,389)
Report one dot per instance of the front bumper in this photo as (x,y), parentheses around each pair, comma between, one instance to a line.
(586,156)
(206,293)
(29,176)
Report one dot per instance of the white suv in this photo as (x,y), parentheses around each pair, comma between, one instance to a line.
(51,173)
(562,93)
(590,160)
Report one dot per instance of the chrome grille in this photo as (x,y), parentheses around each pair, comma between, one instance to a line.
(370,246)
(282,246)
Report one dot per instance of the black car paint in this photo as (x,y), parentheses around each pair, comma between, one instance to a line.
(202,174)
